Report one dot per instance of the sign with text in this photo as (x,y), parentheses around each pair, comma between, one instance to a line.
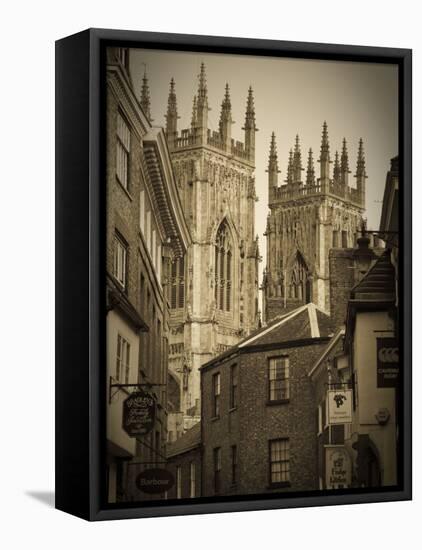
(387,363)
(155,481)
(338,467)
(138,413)
(339,406)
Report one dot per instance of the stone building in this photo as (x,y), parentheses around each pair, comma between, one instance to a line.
(258,409)
(308,216)
(145,230)
(214,286)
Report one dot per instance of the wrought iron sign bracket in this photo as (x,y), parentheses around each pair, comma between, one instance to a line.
(111,394)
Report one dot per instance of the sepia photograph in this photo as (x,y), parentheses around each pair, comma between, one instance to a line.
(252,276)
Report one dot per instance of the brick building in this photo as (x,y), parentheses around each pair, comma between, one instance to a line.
(184,461)
(146,230)
(258,409)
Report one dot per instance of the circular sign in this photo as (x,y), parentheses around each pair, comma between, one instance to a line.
(138,413)
(155,481)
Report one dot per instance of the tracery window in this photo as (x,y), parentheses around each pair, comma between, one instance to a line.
(299,288)
(223,268)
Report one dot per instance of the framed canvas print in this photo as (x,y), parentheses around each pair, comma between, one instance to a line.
(233,274)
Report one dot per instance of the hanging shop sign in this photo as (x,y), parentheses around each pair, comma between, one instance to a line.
(339,406)
(138,413)
(338,467)
(387,363)
(155,481)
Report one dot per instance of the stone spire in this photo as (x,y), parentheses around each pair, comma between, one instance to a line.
(194,121)
(361,173)
(297,162)
(226,120)
(310,171)
(344,164)
(273,170)
(202,105)
(324,159)
(145,100)
(289,178)
(171,116)
(250,126)
(336,170)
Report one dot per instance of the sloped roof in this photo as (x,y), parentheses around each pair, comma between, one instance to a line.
(378,283)
(304,323)
(188,441)
(330,346)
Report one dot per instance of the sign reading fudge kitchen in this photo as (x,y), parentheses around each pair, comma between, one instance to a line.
(338,467)
(138,413)
(387,362)
(339,406)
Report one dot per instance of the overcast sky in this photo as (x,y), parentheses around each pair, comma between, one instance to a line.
(292,96)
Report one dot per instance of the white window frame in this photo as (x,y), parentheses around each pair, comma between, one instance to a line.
(120,261)
(122,359)
(122,151)
(178,482)
(192,481)
(281,474)
(142,211)
(148,231)
(284,382)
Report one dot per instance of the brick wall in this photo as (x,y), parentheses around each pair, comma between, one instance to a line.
(255,422)
(341,282)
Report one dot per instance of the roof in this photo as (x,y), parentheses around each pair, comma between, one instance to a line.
(378,283)
(330,346)
(188,441)
(304,323)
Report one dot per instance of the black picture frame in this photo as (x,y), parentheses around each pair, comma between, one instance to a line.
(80,255)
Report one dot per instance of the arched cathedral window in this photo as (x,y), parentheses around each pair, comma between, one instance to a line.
(177,296)
(223,268)
(299,287)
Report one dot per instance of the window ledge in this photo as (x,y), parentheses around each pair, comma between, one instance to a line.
(233,409)
(124,189)
(214,418)
(278,402)
(280,485)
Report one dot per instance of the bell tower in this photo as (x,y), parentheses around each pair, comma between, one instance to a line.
(214,288)
(305,220)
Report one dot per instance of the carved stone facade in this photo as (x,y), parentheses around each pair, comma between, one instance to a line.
(307,219)
(214,288)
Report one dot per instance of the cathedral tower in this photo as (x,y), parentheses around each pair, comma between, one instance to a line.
(306,219)
(214,288)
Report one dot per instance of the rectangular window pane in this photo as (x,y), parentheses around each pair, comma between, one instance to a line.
(278,376)
(279,461)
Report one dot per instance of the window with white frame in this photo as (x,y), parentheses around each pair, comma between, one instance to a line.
(278,377)
(216,395)
(142,211)
(279,461)
(120,261)
(192,480)
(179,482)
(122,151)
(154,248)
(122,360)
(148,230)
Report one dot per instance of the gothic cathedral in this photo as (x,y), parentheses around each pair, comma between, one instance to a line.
(306,219)
(214,288)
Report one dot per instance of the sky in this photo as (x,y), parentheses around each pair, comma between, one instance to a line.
(292,96)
